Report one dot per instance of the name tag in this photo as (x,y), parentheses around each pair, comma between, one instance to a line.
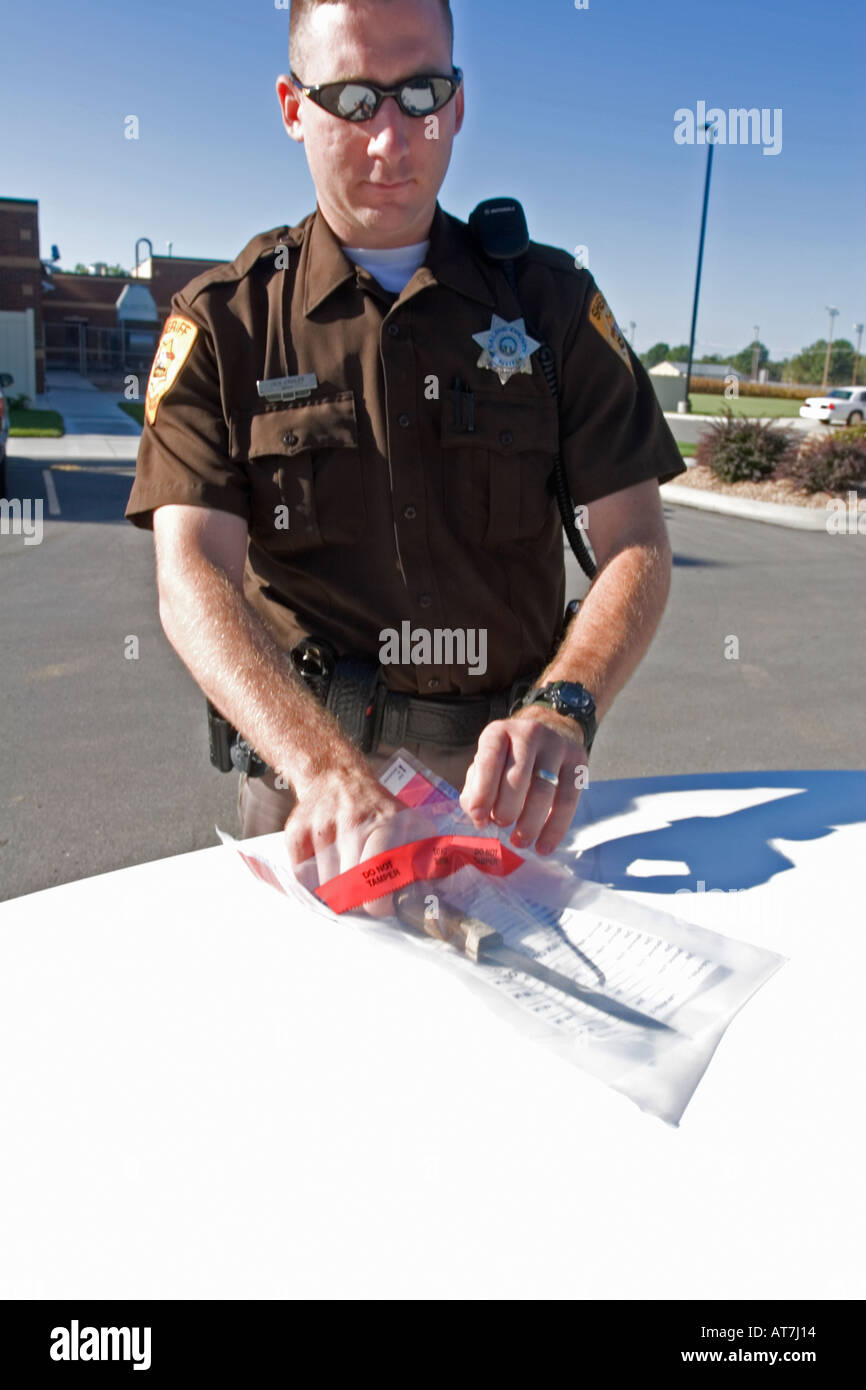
(287,388)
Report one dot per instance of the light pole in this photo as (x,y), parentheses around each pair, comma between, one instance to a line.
(631,327)
(832,312)
(685,406)
(858,329)
(755,352)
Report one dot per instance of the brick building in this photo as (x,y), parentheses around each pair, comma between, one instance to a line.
(94,297)
(75,315)
(21,273)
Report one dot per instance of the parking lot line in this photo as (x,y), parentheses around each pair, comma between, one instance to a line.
(51,493)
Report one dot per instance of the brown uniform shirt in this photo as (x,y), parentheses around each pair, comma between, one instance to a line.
(370,504)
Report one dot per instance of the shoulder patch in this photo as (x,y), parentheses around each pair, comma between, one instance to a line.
(175,345)
(604,323)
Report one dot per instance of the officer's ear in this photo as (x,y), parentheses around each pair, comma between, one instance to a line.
(290,107)
(458,109)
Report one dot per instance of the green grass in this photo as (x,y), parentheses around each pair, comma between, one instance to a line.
(744,405)
(133,408)
(35,424)
(688,451)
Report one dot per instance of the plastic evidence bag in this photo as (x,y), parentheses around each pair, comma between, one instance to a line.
(636,997)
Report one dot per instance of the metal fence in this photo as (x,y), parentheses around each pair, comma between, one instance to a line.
(81,347)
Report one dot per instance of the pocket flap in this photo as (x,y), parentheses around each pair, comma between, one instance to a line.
(293,429)
(506,426)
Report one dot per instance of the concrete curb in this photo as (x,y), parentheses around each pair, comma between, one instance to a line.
(773,513)
(793,421)
(93,447)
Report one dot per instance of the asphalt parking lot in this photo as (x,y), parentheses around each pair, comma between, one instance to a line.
(106,757)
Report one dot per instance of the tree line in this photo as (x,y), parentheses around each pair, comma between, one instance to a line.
(806,367)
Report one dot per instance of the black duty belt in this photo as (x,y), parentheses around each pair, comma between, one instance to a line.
(354,690)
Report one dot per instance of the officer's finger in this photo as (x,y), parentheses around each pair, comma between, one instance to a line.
(483,778)
(542,796)
(515,782)
(375,840)
(405,828)
(563,809)
(298,840)
(350,846)
(327,851)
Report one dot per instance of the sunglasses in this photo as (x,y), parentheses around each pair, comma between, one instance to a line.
(359,100)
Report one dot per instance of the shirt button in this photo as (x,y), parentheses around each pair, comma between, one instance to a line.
(393,330)
(290,439)
(433,683)
(424,600)
(506,437)
(403,420)
(409,513)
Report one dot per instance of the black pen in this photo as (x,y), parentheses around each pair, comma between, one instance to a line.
(457,393)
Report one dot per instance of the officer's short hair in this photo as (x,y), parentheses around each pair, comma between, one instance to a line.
(300,13)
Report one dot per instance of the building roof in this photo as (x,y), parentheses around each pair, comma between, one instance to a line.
(716,370)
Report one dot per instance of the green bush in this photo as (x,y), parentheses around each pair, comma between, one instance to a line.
(829,463)
(742,450)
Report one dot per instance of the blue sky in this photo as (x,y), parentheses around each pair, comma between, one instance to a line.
(572,111)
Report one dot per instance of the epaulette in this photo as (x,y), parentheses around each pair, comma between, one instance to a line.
(230,271)
(553,257)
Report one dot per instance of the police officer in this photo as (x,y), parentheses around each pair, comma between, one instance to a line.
(347,447)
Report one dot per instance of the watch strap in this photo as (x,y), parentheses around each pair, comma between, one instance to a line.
(544,695)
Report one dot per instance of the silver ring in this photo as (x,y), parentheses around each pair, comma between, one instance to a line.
(546,776)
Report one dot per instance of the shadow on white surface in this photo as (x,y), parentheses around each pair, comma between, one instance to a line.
(731,846)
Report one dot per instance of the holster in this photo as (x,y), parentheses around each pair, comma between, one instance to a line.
(353,688)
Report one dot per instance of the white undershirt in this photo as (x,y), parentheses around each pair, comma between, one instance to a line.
(394,267)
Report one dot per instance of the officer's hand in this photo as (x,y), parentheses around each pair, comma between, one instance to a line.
(502,786)
(344,817)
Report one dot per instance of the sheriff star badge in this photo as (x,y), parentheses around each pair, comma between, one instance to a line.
(506,348)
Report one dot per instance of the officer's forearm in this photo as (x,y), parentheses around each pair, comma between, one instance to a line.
(615,624)
(236,662)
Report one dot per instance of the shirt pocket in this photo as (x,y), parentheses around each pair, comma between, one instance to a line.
(304,471)
(495,478)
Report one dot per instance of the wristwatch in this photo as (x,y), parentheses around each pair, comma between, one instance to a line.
(569,698)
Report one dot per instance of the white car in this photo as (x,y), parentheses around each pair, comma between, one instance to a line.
(844,405)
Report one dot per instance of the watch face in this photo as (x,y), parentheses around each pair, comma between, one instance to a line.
(573,700)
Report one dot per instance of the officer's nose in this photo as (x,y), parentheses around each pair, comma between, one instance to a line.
(387,129)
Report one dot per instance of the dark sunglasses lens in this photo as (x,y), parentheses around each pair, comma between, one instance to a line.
(357,101)
(425,94)
(352,100)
